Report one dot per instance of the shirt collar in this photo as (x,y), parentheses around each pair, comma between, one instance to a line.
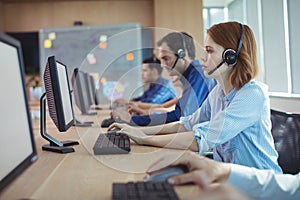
(230,95)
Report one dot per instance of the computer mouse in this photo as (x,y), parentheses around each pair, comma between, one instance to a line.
(163,174)
(107,122)
(114,131)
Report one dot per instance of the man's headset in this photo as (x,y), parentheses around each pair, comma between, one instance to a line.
(230,56)
(180,52)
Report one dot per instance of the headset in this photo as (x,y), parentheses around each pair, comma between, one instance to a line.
(230,56)
(180,52)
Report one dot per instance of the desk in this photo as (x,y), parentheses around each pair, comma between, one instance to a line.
(81,175)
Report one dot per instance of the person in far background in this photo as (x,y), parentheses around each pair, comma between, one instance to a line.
(140,108)
(158,89)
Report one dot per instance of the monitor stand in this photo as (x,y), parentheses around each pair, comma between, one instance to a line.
(89,113)
(54,144)
(80,123)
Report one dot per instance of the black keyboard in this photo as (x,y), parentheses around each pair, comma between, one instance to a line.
(112,143)
(143,190)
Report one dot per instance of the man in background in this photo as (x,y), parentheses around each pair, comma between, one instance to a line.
(176,51)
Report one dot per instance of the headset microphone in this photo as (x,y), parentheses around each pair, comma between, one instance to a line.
(214,69)
(175,63)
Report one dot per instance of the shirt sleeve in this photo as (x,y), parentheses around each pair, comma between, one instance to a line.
(264,184)
(164,94)
(155,119)
(202,114)
(245,109)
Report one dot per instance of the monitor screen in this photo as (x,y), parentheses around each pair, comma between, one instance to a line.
(58,94)
(17,149)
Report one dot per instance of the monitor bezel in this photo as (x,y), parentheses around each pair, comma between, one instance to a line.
(32,157)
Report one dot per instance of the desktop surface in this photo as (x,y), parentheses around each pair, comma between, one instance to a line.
(82,175)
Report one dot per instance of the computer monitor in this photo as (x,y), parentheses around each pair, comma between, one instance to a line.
(95,91)
(59,101)
(17,148)
(78,99)
(91,91)
(94,98)
(81,92)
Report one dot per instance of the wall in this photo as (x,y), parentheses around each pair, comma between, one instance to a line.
(167,14)
(286,104)
(180,15)
(44,14)
(1,17)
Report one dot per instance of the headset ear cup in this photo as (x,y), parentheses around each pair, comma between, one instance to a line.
(230,57)
(181,53)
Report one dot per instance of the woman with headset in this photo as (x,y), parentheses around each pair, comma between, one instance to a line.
(234,120)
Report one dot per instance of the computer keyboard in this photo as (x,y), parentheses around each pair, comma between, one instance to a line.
(112,143)
(144,191)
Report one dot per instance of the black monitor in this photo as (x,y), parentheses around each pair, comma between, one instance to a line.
(17,148)
(91,91)
(77,97)
(81,92)
(94,98)
(59,101)
(95,91)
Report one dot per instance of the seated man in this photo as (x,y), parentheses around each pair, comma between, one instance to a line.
(160,90)
(140,108)
(195,85)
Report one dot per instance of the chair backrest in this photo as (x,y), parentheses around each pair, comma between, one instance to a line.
(286,133)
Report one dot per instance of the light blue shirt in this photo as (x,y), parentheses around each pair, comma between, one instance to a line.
(264,184)
(237,127)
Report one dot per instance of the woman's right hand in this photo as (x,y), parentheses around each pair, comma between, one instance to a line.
(117,126)
(199,167)
(134,133)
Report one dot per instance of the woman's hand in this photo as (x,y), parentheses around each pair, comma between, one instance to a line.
(117,126)
(135,134)
(202,171)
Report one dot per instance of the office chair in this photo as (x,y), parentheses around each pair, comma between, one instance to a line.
(286,134)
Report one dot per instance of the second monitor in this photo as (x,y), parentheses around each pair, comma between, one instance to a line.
(81,90)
